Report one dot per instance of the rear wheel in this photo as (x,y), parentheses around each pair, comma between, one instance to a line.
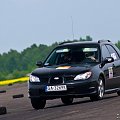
(38,103)
(100,91)
(67,100)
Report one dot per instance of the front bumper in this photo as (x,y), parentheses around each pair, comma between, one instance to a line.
(74,89)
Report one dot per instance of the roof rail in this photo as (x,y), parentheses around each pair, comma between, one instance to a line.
(99,41)
(67,42)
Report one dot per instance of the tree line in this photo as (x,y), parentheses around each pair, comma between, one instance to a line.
(16,64)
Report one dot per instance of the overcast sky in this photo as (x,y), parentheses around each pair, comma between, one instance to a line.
(24,22)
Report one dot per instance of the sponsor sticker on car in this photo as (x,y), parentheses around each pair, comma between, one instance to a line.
(56,88)
(110,69)
(63,67)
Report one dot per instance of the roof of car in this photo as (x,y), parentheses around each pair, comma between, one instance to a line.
(85,42)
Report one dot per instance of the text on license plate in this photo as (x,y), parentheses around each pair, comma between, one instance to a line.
(56,88)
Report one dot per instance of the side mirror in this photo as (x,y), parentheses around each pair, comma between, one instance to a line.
(39,63)
(107,60)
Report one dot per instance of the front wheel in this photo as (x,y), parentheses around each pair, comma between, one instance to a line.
(100,91)
(67,100)
(38,103)
(118,92)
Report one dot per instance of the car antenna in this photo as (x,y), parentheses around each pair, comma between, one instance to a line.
(72,27)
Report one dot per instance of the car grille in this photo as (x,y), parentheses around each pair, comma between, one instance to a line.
(44,80)
(71,77)
(56,80)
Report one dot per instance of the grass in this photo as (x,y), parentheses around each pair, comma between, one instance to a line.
(13,81)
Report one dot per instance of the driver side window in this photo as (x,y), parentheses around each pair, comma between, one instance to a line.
(105,52)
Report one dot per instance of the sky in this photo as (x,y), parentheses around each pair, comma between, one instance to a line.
(25,22)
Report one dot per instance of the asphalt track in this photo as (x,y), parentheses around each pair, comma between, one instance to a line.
(81,109)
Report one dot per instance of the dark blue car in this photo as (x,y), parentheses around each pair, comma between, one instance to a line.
(76,69)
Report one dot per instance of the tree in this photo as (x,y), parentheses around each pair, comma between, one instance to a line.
(118,44)
(88,38)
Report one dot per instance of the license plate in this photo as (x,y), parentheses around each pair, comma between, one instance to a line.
(56,88)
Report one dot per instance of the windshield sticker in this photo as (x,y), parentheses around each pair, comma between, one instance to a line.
(64,67)
(89,49)
(62,50)
(114,56)
(110,70)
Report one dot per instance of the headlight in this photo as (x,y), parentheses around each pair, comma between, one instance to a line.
(83,76)
(34,79)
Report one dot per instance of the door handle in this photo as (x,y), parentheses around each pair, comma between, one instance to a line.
(113,65)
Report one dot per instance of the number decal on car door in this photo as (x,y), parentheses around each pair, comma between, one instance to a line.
(110,70)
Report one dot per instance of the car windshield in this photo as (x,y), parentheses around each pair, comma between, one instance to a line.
(73,55)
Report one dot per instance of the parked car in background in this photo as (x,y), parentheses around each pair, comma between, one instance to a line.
(76,69)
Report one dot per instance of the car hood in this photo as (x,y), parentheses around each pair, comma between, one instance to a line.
(61,70)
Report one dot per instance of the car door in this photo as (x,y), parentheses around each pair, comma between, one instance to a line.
(116,66)
(107,68)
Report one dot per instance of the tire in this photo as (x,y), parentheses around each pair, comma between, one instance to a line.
(100,91)
(118,92)
(18,96)
(67,100)
(3,110)
(38,103)
(2,91)
(10,84)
